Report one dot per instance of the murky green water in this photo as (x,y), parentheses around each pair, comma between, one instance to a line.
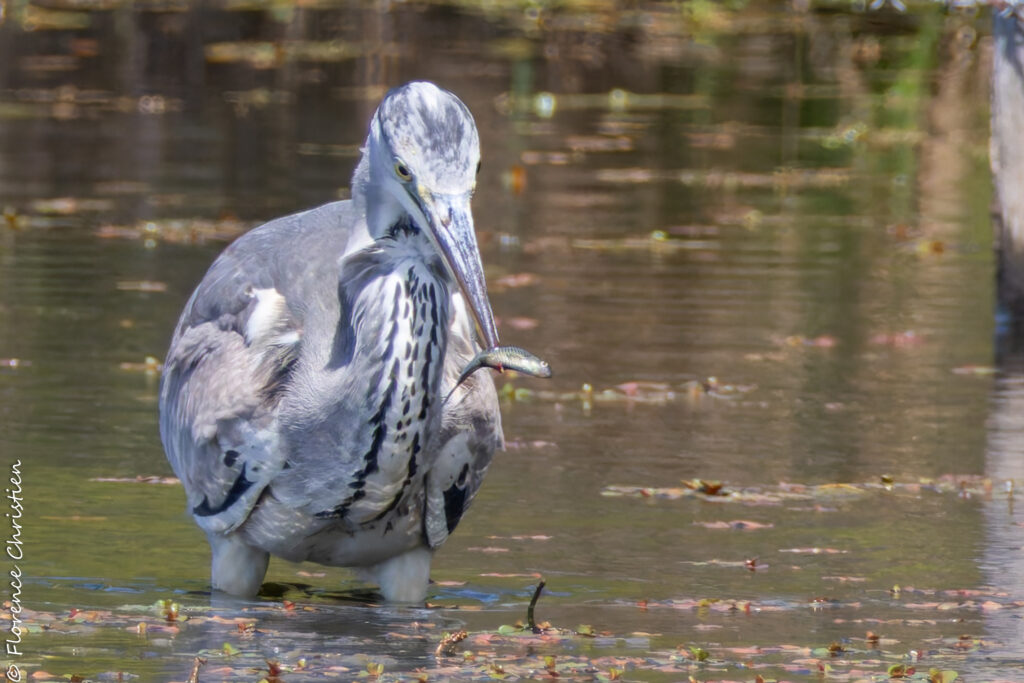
(793,203)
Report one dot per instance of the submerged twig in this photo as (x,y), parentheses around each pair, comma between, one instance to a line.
(197,663)
(530,622)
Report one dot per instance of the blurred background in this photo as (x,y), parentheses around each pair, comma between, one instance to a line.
(753,239)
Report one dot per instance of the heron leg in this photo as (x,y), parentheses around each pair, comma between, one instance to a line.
(236,568)
(403,578)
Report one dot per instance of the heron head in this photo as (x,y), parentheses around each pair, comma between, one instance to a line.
(424,152)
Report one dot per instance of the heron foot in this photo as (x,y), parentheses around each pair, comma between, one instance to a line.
(402,578)
(236,568)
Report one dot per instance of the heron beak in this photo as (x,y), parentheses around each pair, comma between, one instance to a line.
(451,228)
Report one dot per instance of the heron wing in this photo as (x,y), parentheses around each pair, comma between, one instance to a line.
(230,359)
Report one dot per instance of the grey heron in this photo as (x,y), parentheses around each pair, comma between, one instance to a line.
(301,399)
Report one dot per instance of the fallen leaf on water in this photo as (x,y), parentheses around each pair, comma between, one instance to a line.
(170,610)
(516,280)
(634,389)
(698,654)
(521,323)
(761,357)
(824,341)
(898,340)
(448,643)
(901,671)
(814,551)
(707,627)
(736,524)
(646,491)
(175,231)
(516,444)
(710,488)
(514,179)
(535,157)
(66,206)
(140,479)
(924,247)
(141,286)
(150,366)
(978,370)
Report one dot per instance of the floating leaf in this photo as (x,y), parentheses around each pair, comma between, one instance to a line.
(140,479)
(448,642)
(151,366)
(516,280)
(710,488)
(141,286)
(901,671)
(735,525)
(977,370)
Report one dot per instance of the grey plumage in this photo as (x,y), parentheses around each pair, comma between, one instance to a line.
(301,401)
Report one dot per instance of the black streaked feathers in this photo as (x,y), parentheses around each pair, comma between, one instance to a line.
(240,486)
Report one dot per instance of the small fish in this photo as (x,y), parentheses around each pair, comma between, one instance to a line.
(502,358)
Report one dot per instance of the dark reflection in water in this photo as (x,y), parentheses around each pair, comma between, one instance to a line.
(791,202)
(1004,520)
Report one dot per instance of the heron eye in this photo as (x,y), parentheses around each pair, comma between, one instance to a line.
(402,171)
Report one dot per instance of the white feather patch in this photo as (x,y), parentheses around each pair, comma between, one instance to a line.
(268,318)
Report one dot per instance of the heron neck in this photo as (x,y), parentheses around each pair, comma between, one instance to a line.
(379,209)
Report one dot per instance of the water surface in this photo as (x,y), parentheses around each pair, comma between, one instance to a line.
(754,244)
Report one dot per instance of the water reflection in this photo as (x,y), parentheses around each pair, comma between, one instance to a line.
(794,201)
(1003,548)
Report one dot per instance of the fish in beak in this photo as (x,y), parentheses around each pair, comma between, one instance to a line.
(449,224)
